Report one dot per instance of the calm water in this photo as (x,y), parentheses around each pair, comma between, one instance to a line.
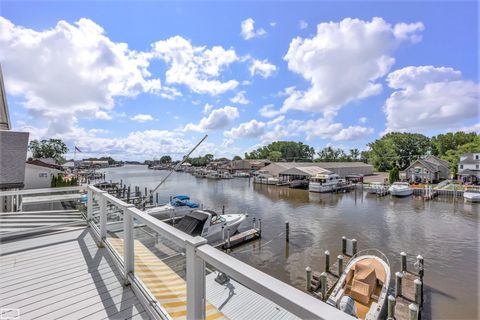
(446,233)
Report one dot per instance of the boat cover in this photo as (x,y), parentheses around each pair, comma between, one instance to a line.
(182,198)
(192,223)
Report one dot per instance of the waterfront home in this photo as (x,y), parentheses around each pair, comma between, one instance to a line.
(39,174)
(343,169)
(428,170)
(469,168)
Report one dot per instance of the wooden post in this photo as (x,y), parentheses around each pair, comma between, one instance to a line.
(228,238)
(287,231)
(413,311)
(223,233)
(391,308)
(223,209)
(354,246)
(340,265)
(403,262)
(398,284)
(254,223)
(344,245)
(145,191)
(309,278)
(418,292)
(420,266)
(323,284)
(260,227)
(327,261)
(156,198)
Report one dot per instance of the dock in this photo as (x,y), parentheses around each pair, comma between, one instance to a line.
(240,238)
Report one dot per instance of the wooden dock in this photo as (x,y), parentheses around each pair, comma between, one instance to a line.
(240,238)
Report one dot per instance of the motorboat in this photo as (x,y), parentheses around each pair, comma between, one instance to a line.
(209,224)
(177,207)
(472,195)
(400,189)
(265,178)
(212,174)
(362,288)
(227,175)
(242,175)
(376,188)
(324,182)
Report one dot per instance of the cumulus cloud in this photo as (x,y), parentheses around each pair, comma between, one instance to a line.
(363,119)
(268,111)
(262,68)
(248,29)
(265,131)
(217,119)
(352,133)
(250,129)
(102,115)
(70,69)
(240,98)
(428,98)
(196,67)
(142,117)
(344,61)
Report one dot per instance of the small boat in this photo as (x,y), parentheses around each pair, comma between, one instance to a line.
(265,178)
(299,184)
(471,195)
(241,175)
(376,188)
(362,288)
(324,182)
(212,174)
(226,175)
(400,189)
(177,207)
(209,224)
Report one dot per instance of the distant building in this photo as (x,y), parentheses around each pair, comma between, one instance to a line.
(429,170)
(469,168)
(39,174)
(343,169)
(236,166)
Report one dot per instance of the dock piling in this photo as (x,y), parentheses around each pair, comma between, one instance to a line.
(398,284)
(223,209)
(340,265)
(309,278)
(228,237)
(403,261)
(354,247)
(420,263)
(287,231)
(391,308)
(156,198)
(418,291)
(323,284)
(327,261)
(260,226)
(344,245)
(413,311)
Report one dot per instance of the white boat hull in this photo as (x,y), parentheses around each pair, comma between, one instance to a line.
(233,222)
(317,187)
(401,193)
(471,197)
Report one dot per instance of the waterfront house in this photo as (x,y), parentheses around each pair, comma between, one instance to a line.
(343,169)
(429,170)
(39,174)
(469,168)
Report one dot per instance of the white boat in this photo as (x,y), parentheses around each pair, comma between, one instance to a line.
(324,182)
(212,174)
(177,207)
(471,195)
(362,288)
(209,224)
(376,188)
(241,175)
(263,177)
(400,189)
(226,175)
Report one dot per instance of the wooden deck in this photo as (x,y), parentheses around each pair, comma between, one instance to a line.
(63,275)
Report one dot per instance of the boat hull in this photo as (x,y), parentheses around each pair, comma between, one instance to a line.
(471,197)
(401,193)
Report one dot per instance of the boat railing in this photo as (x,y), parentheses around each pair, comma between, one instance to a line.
(371,252)
(198,253)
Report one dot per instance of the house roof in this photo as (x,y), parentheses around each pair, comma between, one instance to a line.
(438,161)
(39,163)
(468,158)
(432,163)
(304,171)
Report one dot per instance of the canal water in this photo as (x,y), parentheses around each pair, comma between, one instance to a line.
(444,231)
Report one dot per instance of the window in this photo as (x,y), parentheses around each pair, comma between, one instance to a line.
(476,166)
(461,166)
(476,156)
(43,175)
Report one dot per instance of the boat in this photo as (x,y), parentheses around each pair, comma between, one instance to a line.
(226,175)
(324,182)
(471,195)
(177,207)
(263,177)
(241,175)
(362,288)
(400,189)
(210,225)
(298,184)
(212,174)
(376,188)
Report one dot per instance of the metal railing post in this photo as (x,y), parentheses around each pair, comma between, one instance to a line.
(128,243)
(103,220)
(195,280)
(89,205)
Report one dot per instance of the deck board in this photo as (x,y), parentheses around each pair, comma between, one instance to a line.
(64,275)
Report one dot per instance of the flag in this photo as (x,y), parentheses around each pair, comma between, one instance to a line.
(76,149)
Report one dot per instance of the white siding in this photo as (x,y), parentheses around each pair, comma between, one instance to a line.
(37,177)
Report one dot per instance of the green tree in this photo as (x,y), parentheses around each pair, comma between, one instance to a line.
(354,154)
(275,156)
(329,154)
(453,156)
(165,159)
(290,150)
(52,148)
(393,175)
(237,158)
(443,143)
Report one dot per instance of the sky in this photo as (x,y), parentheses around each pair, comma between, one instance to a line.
(138,80)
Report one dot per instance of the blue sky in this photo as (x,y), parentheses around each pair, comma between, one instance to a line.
(141,79)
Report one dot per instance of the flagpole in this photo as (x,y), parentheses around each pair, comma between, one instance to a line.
(74,158)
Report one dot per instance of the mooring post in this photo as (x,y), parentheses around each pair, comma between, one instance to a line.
(403,262)
(398,284)
(223,209)
(418,291)
(340,265)
(171,198)
(309,278)
(323,284)
(260,226)
(156,198)
(223,233)
(287,231)
(128,195)
(327,261)
(420,266)
(146,191)
(354,247)
(413,311)
(344,245)
(228,238)
(121,183)
(254,223)
(391,308)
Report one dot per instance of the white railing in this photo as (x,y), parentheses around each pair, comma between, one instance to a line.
(198,252)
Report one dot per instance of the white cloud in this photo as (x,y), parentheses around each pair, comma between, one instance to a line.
(217,119)
(428,98)
(70,70)
(265,131)
(196,67)
(207,108)
(262,68)
(352,133)
(363,119)
(473,128)
(240,98)
(142,117)
(273,24)
(102,115)
(248,29)
(302,24)
(250,129)
(268,111)
(344,61)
